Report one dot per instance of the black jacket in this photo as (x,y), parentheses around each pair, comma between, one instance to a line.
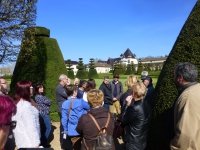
(107,91)
(135,121)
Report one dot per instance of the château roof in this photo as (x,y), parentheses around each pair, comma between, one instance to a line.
(129,54)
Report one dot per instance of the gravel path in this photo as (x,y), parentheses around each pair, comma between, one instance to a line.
(55,143)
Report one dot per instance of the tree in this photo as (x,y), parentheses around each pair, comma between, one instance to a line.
(130,69)
(81,73)
(15,16)
(140,68)
(92,71)
(118,69)
(70,72)
(44,63)
(185,49)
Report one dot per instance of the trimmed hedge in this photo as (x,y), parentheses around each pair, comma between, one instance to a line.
(43,62)
(185,49)
(38,31)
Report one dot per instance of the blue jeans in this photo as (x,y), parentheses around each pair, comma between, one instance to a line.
(46,127)
(106,106)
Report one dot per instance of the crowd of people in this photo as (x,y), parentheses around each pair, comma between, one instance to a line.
(88,115)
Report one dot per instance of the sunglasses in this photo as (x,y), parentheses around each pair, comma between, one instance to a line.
(12,124)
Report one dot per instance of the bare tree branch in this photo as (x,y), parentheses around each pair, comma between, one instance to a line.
(15,17)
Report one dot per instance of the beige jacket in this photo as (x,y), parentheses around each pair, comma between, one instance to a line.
(187,120)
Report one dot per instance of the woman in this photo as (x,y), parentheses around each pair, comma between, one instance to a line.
(86,126)
(27,131)
(43,105)
(131,80)
(91,84)
(7,110)
(72,109)
(136,118)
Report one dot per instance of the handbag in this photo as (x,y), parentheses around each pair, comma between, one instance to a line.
(103,141)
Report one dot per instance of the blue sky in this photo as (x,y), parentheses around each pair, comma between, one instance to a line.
(106,28)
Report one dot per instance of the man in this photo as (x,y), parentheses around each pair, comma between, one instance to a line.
(3,86)
(61,96)
(10,144)
(105,87)
(187,108)
(147,80)
(117,91)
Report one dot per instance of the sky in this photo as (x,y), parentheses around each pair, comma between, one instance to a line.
(101,29)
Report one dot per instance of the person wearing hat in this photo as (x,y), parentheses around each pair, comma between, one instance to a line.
(150,89)
(86,126)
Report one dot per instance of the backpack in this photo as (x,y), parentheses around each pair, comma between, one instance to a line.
(103,141)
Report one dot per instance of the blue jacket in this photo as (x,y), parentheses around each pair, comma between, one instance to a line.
(70,121)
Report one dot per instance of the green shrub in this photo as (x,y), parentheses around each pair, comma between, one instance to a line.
(70,74)
(92,74)
(41,62)
(185,49)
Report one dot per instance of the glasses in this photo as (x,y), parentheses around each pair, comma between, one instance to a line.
(12,124)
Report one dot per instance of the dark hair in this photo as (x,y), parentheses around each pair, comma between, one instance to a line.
(22,90)
(70,89)
(7,109)
(91,84)
(81,83)
(37,86)
(187,70)
(116,76)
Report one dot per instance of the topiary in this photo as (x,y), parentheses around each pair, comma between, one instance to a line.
(39,60)
(185,49)
(92,71)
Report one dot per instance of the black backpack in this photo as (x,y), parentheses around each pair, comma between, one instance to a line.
(103,141)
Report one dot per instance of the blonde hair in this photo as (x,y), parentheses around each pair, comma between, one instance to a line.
(62,77)
(139,90)
(95,97)
(131,80)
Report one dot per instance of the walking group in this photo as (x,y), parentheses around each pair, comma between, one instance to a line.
(95,119)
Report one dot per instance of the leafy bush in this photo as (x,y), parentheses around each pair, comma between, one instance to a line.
(185,49)
(42,62)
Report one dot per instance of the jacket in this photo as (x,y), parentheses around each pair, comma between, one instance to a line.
(70,117)
(87,128)
(27,131)
(107,91)
(187,120)
(119,88)
(135,122)
(61,96)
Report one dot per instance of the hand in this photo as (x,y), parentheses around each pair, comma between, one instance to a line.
(114,99)
(129,100)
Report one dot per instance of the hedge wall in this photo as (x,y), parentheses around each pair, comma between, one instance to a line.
(41,62)
(185,49)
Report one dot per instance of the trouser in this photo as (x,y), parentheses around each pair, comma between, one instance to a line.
(45,123)
(10,143)
(115,108)
(61,133)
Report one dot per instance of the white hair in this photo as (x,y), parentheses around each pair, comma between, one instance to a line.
(62,77)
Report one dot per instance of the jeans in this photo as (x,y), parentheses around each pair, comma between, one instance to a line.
(45,128)
(107,106)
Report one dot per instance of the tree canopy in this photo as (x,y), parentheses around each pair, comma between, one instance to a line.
(15,16)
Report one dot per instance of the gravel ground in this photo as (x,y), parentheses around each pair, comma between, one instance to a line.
(55,143)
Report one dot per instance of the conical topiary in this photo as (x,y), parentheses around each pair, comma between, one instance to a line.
(40,60)
(185,49)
